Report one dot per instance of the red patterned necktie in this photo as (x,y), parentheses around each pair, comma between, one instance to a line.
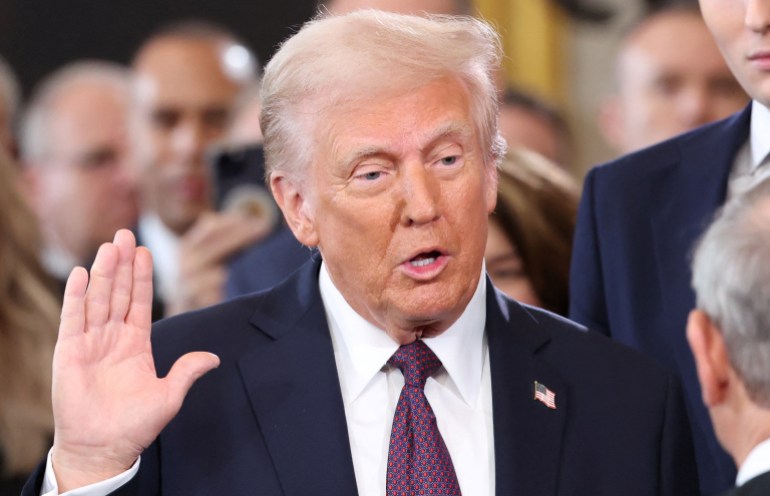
(418,460)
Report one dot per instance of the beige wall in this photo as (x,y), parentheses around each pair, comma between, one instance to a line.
(589,69)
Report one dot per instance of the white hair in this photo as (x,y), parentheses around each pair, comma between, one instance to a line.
(336,60)
(34,130)
(731,278)
(10,94)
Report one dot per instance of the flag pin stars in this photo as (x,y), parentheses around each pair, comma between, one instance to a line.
(545,395)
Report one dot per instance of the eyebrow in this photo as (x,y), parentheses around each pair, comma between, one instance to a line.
(447,130)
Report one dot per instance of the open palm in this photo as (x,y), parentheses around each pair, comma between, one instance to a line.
(108,402)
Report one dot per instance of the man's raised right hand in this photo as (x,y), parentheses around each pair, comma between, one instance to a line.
(108,401)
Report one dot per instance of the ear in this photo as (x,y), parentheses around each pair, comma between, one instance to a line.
(491,188)
(295,207)
(711,359)
(610,122)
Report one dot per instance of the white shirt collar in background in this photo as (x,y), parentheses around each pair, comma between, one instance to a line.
(757,463)
(164,246)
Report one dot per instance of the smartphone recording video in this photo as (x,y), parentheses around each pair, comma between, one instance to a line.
(238,177)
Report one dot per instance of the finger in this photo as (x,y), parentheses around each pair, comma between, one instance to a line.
(73,311)
(121,286)
(219,238)
(140,310)
(98,294)
(188,369)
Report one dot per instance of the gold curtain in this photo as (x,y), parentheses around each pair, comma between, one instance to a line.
(534,34)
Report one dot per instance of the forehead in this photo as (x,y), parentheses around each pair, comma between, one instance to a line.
(183,72)
(650,45)
(399,120)
(87,113)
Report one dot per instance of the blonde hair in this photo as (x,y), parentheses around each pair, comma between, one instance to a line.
(28,321)
(346,59)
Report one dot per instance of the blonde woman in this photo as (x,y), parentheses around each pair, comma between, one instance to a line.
(28,321)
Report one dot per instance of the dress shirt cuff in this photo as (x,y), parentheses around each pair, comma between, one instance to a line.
(102,488)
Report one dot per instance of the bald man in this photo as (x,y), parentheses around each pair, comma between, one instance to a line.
(670,78)
(75,153)
(188,77)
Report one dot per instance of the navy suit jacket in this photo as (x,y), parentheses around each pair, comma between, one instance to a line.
(271,421)
(638,220)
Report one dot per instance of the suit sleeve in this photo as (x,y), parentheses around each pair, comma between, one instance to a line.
(678,471)
(588,305)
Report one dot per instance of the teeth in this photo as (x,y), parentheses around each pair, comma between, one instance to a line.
(423,262)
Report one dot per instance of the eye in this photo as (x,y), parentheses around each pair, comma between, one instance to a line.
(371,175)
(165,118)
(450,160)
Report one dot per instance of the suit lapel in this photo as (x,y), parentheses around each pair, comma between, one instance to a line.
(684,195)
(293,387)
(527,434)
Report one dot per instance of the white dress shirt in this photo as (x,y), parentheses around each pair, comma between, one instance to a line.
(757,463)
(164,246)
(460,394)
(752,162)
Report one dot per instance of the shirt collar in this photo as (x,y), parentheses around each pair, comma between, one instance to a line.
(760,130)
(163,243)
(362,349)
(757,463)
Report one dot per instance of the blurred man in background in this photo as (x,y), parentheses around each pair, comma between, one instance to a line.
(670,78)
(75,153)
(532,123)
(187,79)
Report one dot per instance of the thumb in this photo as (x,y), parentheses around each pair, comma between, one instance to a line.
(186,370)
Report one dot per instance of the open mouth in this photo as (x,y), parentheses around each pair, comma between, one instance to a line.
(424,259)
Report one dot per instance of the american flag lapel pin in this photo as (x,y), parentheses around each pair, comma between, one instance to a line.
(545,395)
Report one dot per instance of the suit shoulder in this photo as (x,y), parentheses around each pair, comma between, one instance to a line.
(640,165)
(221,329)
(569,345)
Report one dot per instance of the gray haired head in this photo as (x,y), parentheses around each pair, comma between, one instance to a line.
(34,136)
(731,278)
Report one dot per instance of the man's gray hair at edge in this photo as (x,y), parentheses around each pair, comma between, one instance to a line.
(731,278)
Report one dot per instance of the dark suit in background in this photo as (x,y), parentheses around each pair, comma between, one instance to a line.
(270,419)
(758,486)
(630,279)
(267,263)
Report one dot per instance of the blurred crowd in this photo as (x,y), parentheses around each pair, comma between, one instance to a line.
(170,147)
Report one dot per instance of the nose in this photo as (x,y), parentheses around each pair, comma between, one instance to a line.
(757,15)
(422,191)
(188,141)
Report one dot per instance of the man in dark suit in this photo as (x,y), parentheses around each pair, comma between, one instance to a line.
(729,333)
(388,360)
(641,214)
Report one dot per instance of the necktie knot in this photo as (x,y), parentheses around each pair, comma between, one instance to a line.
(416,361)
